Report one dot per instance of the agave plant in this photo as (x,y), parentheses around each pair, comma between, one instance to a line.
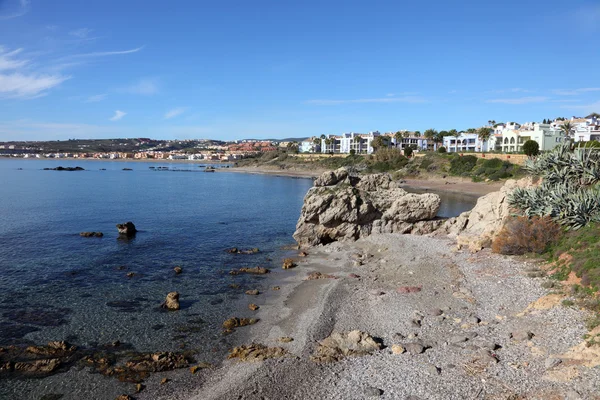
(570,189)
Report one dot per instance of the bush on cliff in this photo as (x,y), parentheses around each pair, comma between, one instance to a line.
(462,165)
(521,235)
(385,160)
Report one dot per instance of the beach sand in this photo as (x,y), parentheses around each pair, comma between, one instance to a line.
(483,298)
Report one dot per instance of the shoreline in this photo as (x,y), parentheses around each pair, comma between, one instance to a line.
(465,318)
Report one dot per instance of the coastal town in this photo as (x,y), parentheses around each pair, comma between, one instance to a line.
(496,137)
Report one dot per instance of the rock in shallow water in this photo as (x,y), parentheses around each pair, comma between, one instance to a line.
(127,229)
(172,301)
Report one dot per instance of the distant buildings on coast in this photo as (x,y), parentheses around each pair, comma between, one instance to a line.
(501,137)
(506,137)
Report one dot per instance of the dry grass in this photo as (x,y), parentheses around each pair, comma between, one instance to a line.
(521,235)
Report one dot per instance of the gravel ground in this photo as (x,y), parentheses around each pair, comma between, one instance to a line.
(464,316)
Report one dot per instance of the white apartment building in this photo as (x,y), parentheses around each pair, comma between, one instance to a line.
(359,142)
(465,142)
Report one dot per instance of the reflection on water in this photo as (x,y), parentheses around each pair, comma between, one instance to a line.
(453,204)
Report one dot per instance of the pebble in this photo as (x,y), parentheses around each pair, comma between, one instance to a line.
(434,312)
(432,369)
(397,349)
(473,320)
(372,392)
(414,348)
(552,362)
(458,339)
(521,335)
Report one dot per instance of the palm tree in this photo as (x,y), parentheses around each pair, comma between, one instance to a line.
(593,115)
(398,136)
(484,135)
(327,145)
(567,128)
(417,133)
(406,134)
(357,140)
(431,134)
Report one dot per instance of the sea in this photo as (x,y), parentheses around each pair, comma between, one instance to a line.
(90,291)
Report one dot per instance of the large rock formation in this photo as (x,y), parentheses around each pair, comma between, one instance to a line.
(477,228)
(341,206)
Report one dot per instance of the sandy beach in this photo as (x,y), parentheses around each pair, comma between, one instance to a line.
(479,327)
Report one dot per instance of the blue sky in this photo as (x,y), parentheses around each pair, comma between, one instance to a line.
(235,69)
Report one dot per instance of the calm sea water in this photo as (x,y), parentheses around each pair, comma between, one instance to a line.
(56,285)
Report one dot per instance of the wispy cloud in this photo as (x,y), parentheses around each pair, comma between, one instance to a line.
(175,112)
(106,53)
(118,115)
(575,92)
(22,8)
(585,108)
(403,99)
(96,98)
(81,33)
(147,86)
(16,83)
(512,90)
(9,61)
(520,100)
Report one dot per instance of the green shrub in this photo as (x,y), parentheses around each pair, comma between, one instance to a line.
(462,165)
(441,149)
(408,151)
(388,159)
(531,148)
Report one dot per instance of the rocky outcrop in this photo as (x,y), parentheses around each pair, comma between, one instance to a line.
(341,206)
(127,229)
(235,250)
(248,270)
(477,228)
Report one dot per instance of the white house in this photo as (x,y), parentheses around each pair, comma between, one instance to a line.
(309,146)
(465,142)
(344,143)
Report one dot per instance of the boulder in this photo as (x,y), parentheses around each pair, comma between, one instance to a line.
(344,207)
(288,263)
(235,322)
(172,301)
(477,228)
(127,229)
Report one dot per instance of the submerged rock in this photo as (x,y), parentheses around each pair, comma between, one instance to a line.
(178,270)
(172,301)
(256,352)
(340,345)
(246,270)
(253,307)
(344,207)
(91,234)
(235,250)
(253,292)
(236,322)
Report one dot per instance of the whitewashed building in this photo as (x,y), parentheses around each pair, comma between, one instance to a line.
(344,143)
